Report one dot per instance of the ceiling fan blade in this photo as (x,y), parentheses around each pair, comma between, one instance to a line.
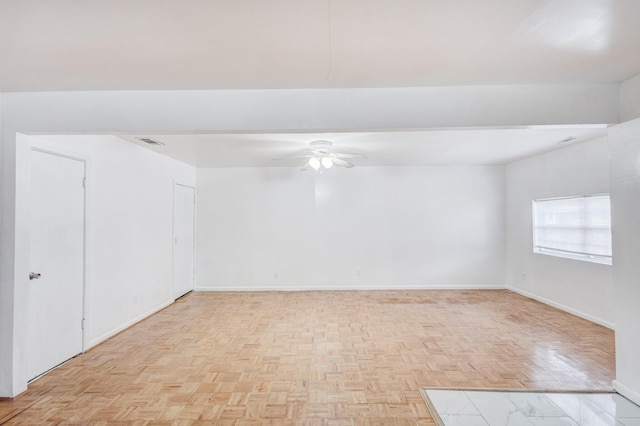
(319,152)
(342,163)
(305,167)
(294,156)
(347,155)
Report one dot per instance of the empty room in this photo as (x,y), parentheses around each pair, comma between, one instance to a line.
(320,212)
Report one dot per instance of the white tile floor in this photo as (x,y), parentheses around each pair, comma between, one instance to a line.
(490,408)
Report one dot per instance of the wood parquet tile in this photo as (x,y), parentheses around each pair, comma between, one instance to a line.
(317,358)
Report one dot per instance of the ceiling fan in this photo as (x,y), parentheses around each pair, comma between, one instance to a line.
(321,156)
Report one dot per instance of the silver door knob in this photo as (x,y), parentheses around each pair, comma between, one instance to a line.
(34,275)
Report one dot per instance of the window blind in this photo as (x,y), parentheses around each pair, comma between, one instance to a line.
(574,227)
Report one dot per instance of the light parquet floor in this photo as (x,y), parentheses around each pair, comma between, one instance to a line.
(329,357)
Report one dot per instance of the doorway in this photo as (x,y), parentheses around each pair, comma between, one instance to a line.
(56,281)
(184,215)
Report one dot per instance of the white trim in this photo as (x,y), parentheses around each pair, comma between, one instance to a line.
(570,197)
(625,391)
(562,307)
(175,182)
(128,324)
(351,287)
(53,149)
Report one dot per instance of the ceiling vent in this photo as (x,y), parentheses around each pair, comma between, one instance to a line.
(150,141)
(567,139)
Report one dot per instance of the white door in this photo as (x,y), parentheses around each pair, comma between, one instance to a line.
(184,199)
(56,285)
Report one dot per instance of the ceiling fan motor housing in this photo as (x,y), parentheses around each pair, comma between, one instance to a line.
(320,147)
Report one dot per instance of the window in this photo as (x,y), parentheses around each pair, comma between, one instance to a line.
(574,227)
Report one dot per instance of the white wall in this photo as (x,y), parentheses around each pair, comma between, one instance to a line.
(630,99)
(6,289)
(583,288)
(624,144)
(400,227)
(130,229)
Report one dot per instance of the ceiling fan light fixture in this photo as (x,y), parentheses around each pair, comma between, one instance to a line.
(314,163)
(327,162)
(319,157)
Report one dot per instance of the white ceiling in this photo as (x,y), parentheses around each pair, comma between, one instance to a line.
(409,148)
(230,44)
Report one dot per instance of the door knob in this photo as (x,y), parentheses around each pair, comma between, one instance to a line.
(34,276)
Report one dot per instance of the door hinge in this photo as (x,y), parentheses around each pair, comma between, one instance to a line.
(82,324)
(84,182)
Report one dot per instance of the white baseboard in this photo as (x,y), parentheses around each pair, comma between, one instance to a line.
(562,307)
(126,325)
(623,390)
(351,287)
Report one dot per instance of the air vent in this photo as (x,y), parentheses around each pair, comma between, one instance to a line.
(150,141)
(567,139)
